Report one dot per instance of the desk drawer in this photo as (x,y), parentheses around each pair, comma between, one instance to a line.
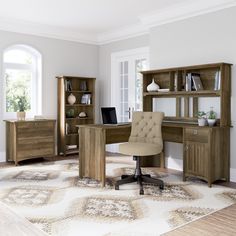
(197,135)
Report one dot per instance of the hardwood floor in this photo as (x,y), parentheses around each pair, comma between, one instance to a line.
(222,222)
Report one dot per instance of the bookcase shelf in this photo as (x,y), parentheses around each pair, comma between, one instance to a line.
(215,79)
(202,93)
(67,123)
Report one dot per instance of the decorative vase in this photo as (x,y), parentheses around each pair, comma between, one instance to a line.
(211,122)
(201,122)
(20,115)
(71,99)
(153,87)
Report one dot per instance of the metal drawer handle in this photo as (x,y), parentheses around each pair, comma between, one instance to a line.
(195,131)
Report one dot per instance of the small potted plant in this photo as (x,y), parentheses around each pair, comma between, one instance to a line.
(201,118)
(211,117)
(22,103)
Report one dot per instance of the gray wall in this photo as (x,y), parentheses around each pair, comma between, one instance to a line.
(59,58)
(204,39)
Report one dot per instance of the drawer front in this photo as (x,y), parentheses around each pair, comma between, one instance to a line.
(35,129)
(197,135)
(34,152)
(32,141)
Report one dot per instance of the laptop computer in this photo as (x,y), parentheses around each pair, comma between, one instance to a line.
(109,116)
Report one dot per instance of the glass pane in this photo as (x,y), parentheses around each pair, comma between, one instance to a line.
(121,81)
(122,109)
(121,95)
(125,67)
(18,90)
(126,108)
(125,99)
(140,64)
(18,56)
(125,81)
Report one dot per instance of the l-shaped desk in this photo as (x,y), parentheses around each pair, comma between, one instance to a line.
(201,157)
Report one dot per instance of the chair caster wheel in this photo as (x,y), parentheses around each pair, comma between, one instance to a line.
(116,187)
(141,192)
(161,187)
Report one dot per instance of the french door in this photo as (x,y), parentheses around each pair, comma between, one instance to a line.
(126,81)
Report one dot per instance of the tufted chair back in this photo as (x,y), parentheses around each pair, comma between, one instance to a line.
(146,127)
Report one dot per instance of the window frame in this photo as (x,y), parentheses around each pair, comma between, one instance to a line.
(36,69)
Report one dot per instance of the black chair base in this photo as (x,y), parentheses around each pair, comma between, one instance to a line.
(139,178)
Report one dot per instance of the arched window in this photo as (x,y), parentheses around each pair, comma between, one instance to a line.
(22,68)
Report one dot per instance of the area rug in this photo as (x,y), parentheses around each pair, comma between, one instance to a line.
(52,197)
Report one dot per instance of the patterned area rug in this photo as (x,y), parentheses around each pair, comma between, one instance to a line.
(52,197)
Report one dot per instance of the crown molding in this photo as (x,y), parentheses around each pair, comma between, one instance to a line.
(130,31)
(186,9)
(48,31)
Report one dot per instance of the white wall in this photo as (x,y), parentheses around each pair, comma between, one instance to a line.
(204,39)
(59,58)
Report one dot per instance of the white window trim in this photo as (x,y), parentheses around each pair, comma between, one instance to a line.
(36,68)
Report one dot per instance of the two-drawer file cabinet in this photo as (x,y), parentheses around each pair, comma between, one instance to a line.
(29,139)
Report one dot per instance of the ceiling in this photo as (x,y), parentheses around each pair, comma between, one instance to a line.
(98,21)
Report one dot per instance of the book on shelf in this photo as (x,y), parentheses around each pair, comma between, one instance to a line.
(68,85)
(86,99)
(188,83)
(217,80)
(197,83)
(193,82)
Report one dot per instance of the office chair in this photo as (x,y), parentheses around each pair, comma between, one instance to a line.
(145,140)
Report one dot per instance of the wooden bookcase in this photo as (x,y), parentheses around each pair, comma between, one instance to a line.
(206,150)
(68,135)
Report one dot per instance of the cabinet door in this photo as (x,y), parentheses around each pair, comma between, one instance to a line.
(196,159)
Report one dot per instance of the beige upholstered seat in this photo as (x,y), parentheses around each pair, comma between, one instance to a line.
(145,140)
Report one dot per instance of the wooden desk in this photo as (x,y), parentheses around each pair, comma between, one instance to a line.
(92,148)
(205,150)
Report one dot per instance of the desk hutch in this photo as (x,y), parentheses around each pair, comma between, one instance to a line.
(206,150)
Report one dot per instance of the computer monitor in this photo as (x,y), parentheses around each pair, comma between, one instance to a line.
(109,115)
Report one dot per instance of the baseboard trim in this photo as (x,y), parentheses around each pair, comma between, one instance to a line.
(174,163)
(2,156)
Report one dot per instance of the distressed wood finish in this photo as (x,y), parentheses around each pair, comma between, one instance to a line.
(207,150)
(72,138)
(29,139)
(166,79)
(92,142)
(204,155)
